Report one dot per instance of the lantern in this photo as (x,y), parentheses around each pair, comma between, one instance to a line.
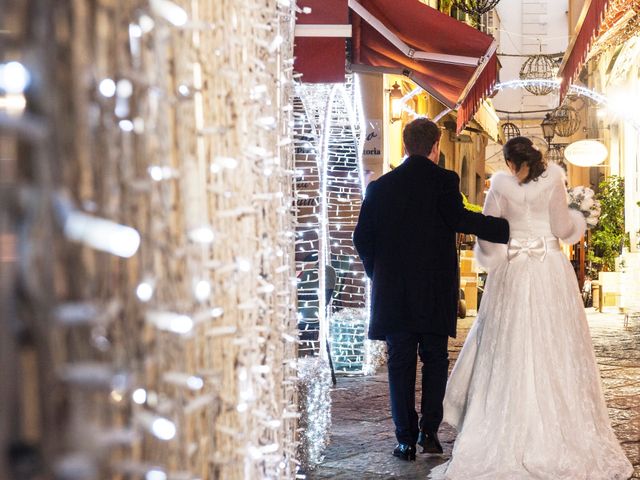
(475,8)
(510,130)
(395,103)
(567,121)
(555,154)
(538,67)
(548,128)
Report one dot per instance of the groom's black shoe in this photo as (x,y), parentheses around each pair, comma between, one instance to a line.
(405,451)
(429,442)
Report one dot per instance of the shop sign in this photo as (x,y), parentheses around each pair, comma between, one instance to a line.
(373,139)
(586,153)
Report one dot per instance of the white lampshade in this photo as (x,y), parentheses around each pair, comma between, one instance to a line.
(586,153)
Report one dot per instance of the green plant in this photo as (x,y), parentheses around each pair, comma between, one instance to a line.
(470,206)
(609,236)
(445,6)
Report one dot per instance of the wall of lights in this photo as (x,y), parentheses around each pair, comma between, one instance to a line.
(314,391)
(343,177)
(148,289)
(329,177)
(310,212)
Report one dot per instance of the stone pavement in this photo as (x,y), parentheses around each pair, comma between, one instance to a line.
(362,432)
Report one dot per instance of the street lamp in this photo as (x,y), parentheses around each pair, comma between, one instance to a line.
(548,126)
(395,102)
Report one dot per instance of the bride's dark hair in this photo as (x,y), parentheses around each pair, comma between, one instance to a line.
(520,151)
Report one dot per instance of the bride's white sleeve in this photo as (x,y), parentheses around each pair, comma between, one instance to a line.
(567,223)
(489,254)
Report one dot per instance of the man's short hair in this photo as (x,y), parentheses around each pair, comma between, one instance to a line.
(419,136)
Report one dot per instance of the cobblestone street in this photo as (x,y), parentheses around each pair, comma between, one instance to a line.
(362,432)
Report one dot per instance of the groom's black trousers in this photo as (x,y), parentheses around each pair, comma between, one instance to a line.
(402,350)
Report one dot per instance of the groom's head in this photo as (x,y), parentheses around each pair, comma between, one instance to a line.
(422,137)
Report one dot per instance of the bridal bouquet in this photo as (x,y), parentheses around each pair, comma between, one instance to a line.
(582,199)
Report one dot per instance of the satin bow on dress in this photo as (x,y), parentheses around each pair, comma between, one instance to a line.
(523,248)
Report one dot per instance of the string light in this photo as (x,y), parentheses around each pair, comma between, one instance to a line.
(202,234)
(171,322)
(146,23)
(314,387)
(13,104)
(159,173)
(135,31)
(243,264)
(186,180)
(102,234)
(124,88)
(139,396)
(144,291)
(162,428)
(14,77)
(107,87)
(335,118)
(617,104)
(171,12)
(155,474)
(126,125)
(352,352)
(202,290)
(184,380)
(329,184)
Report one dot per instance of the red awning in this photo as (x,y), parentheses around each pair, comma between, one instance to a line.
(319,49)
(452,61)
(587,30)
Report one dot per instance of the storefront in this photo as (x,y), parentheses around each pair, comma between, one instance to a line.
(605,56)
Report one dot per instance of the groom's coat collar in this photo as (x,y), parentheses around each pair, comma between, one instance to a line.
(418,159)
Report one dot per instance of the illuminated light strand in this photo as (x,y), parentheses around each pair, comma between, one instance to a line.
(174,233)
(341,187)
(102,234)
(314,387)
(309,213)
(618,107)
(352,352)
(330,107)
(346,158)
(555,84)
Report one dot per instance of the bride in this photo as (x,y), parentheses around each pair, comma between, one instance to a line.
(525,393)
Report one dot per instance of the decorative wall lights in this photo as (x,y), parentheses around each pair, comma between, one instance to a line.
(395,103)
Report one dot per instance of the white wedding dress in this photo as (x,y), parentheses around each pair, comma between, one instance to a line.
(525,393)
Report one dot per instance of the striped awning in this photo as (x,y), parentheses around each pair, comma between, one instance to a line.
(452,61)
(588,28)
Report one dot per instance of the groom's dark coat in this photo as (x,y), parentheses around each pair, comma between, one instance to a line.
(406,238)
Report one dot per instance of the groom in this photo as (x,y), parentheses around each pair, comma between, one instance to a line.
(406,238)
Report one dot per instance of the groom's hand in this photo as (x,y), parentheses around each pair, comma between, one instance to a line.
(461,220)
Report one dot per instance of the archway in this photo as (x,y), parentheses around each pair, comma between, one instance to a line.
(332,285)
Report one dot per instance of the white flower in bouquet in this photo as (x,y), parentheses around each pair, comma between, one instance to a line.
(582,199)
(587,203)
(575,197)
(592,221)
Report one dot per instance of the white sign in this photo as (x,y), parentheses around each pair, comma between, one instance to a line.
(373,139)
(586,153)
